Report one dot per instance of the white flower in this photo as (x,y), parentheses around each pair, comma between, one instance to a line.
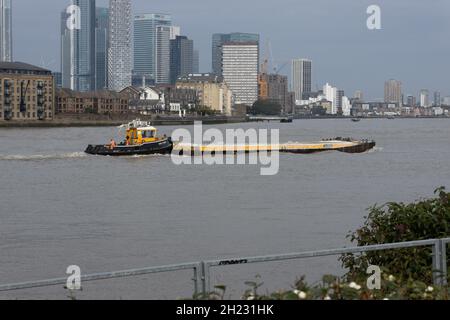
(296,291)
(391,278)
(429,289)
(386,299)
(302,295)
(251,297)
(327,298)
(354,285)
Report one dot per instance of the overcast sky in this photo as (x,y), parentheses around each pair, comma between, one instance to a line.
(413,45)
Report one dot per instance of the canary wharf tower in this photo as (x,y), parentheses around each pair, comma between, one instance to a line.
(5,31)
(120,46)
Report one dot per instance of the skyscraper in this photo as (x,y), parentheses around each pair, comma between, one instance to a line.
(181,57)
(393,91)
(437,99)
(162,55)
(101,48)
(219,39)
(196,62)
(330,94)
(120,46)
(301,77)
(6,31)
(145,43)
(424,98)
(78,46)
(240,66)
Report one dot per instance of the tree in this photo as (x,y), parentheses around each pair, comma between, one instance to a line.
(399,222)
(266,107)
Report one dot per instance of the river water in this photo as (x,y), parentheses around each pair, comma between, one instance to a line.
(60,207)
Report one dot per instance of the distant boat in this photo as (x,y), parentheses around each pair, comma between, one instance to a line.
(287,120)
(391,117)
(356,119)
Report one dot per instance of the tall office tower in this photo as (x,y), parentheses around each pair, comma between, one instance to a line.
(411,101)
(393,91)
(196,62)
(120,45)
(78,45)
(240,66)
(145,28)
(437,99)
(330,94)
(6,31)
(219,39)
(101,48)
(301,77)
(424,98)
(181,58)
(162,55)
(174,32)
(339,95)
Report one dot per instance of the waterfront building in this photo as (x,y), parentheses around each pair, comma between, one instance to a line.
(120,45)
(6,40)
(218,39)
(26,92)
(276,89)
(330,94)
(437,99)
(149,38)
(101,48)
(301,77)
(339,96)
(375,109)
(240,66)
(424,98)
(78,47)
(211,90)
(411,101)
(181,57)
(97,102)
(393,91)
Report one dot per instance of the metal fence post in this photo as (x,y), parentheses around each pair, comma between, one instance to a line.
(195,279)
(436,264)
(203,278)
(443,248)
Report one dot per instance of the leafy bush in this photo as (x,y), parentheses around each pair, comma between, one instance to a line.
(333,288)
(399,222)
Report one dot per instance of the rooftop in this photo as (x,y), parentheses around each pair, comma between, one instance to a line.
(21,67)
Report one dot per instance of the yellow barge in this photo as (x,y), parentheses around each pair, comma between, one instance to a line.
(337,144)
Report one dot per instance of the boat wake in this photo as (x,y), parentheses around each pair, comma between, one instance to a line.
(40,157)
(375,149)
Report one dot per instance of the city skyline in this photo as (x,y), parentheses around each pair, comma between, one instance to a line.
(366,70)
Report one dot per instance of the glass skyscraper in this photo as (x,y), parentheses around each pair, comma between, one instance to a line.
(181,57)
(101,48)
(218,39)
(6,31)
(78,46)
(146,41)
(120,45)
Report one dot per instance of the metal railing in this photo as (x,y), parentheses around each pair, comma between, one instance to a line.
(202,269)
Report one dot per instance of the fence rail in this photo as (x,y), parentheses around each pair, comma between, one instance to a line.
(202,269)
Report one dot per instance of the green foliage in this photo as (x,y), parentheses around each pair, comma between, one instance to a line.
(334,288)
(399,222)
(266,107)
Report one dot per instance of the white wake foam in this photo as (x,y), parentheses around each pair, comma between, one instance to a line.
(38,157)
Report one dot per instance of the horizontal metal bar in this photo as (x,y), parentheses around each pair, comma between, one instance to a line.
(320,253)
(100,276)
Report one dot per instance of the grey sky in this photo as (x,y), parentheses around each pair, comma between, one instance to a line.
(413,45)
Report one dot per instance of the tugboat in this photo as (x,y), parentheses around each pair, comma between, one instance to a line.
(141,139)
